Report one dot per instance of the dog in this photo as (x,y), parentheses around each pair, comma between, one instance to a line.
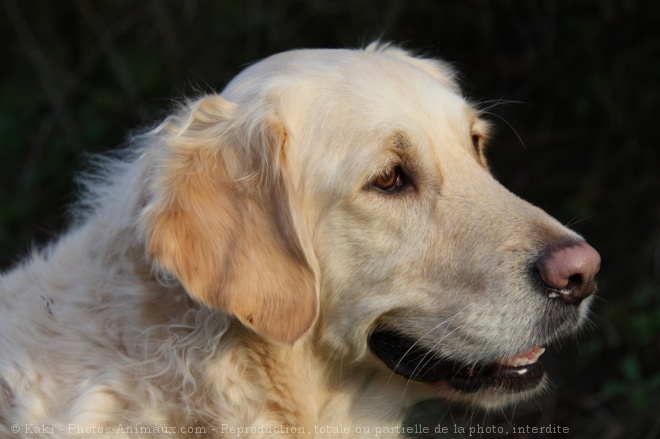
(305,254)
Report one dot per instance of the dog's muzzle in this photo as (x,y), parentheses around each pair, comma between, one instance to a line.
(565,272)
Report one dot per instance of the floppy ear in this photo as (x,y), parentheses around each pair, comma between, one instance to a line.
(221,216)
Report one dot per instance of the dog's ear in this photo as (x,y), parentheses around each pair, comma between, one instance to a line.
(222,216)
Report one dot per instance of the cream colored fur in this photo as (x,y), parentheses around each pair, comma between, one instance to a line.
(228,270)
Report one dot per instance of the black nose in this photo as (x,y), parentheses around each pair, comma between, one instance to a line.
(569,271)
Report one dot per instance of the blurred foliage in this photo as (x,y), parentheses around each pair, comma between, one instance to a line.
(572,87)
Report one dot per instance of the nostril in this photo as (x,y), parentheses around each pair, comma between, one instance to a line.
(569,270)
(575,280)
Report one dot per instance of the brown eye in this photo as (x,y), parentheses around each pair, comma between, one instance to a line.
(389,180)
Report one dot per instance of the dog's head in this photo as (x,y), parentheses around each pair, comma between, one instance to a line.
(349,191)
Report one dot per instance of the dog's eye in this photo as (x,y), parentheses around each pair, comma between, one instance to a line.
(390,180)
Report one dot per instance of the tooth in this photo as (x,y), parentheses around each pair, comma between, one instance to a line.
(528,357)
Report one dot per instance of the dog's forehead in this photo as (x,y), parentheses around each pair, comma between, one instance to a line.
(360,93)
(342,77)
(342,108)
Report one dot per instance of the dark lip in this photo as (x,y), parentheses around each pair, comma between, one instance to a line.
(405,357)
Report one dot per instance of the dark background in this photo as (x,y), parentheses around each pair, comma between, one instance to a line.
(578,117)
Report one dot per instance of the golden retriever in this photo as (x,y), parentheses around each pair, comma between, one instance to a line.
(303,255)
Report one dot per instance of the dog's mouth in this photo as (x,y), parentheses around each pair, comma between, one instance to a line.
(405,357)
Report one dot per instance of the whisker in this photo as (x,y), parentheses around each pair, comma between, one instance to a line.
(509,125)
(444,322)
(578,219)
(495,103)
